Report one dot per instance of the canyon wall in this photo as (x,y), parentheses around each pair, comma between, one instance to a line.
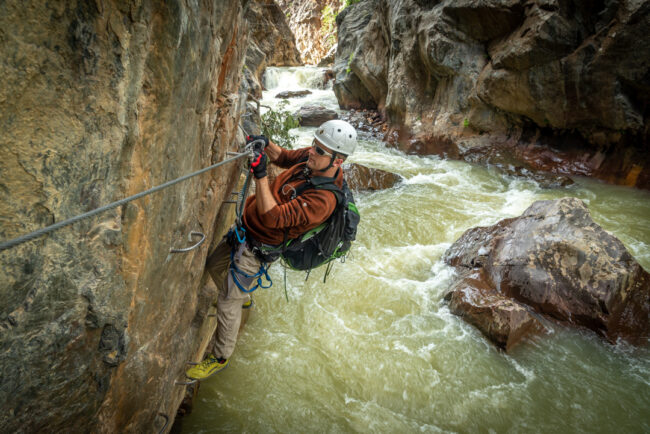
(271,43)
(101,100)
(308,20)
(559,85)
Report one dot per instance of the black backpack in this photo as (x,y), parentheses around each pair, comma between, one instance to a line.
(333,238)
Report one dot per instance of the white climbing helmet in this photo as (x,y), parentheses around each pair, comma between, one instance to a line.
(338,135)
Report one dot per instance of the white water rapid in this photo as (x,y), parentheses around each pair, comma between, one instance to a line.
(375,349)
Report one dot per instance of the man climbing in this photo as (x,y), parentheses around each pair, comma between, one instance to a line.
(277,212)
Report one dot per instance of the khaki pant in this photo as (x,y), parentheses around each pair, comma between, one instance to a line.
(231,298)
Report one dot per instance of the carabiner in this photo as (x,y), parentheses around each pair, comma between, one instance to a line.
(243,230)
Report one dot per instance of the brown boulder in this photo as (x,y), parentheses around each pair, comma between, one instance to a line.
(293,94)
(561,264)
(313,116)
(361,178)
(501,319)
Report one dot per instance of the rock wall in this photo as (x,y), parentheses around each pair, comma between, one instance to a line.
(306,22)
(547,80)
(101,100)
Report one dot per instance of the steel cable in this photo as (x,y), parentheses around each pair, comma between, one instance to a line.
(40,232)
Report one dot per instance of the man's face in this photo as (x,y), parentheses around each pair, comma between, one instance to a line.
(319,156)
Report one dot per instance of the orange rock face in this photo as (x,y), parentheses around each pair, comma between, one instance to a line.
(101,100)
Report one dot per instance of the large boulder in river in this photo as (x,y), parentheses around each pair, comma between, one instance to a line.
(361,177)
(314,115)
(293,94)
(560,264)
(561,74)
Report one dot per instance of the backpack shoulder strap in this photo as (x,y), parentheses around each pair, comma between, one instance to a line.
(334,189)
(322,183)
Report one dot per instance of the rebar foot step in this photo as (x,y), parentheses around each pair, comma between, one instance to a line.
(187,249)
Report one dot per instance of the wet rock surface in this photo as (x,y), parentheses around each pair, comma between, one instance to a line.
(314,116)
(507,159)
(367,122)
(501,319)
(360,178)
(565,77)
(292,94)
(553,261)
(502,155)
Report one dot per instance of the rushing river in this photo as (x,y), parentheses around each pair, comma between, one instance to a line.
(375,349)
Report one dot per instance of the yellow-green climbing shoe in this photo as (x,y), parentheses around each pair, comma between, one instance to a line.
(210,366)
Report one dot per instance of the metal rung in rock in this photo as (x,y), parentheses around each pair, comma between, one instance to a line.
(187,249)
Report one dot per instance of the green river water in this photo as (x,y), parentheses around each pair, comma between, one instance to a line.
(375,349)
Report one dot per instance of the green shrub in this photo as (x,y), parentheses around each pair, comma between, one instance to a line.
(277,123)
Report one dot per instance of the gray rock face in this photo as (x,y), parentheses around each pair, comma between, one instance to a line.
(305,19)
(329,57)
(99,101)
(557,262)
(361,72)
(477,72)
(270,32)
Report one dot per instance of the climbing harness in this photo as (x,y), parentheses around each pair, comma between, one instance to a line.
(263,271)
(40,232)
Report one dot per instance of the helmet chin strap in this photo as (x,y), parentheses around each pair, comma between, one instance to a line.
(334,154)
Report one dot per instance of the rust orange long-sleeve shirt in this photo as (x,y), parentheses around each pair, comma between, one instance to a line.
(299,214)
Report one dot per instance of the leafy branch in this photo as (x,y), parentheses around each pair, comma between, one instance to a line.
(277,123)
